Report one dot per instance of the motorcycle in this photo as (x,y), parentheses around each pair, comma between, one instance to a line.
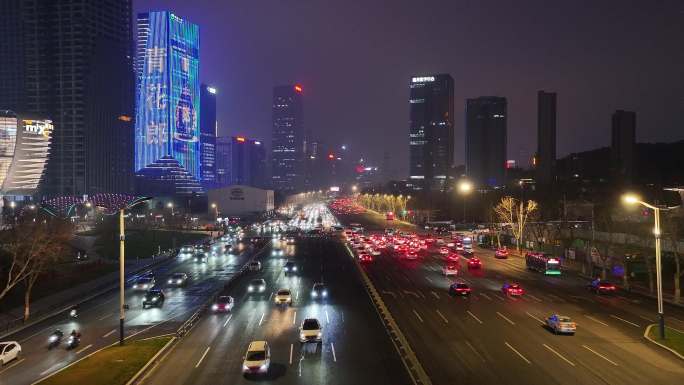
(73,341)
(55,339)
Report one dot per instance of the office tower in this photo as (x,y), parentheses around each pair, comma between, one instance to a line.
(431,130)
(623,139)
(546,138)
(24,150)
(71,62)
(486,140)
(208,133)
(167,132)
(241,161)
(288,138)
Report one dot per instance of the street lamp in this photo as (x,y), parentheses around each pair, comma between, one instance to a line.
(464,188)
(170,205)
(215,207)
(354,188)
(632,199)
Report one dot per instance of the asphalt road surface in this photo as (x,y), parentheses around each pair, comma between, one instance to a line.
(98,320)
(355,347)
(490,338)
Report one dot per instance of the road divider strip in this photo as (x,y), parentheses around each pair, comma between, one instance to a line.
(398,339)
(648,337)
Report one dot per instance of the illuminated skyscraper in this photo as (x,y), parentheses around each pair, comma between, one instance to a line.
(431,129)
(167,127)
(287,146)
(240,161)
(208,132)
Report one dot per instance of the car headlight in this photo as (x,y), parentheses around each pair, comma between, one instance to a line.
(302,336)
(325,293)
(52,338)
(170,281)
(314,294)
(319,334)
(214,307)
(263,367)
(250,289)
(262,288)
(294,268)
(245,368)
(154,299)
(179,281)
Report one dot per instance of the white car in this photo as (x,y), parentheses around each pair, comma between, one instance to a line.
(450,270)
(257,359)
(254,266)
(9,350)
(310,331)
(283,297)
(561,324)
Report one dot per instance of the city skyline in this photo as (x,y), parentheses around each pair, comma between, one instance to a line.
(586,67)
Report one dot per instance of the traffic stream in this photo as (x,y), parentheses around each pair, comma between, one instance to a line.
(98,320)
(489,337)
(354,347)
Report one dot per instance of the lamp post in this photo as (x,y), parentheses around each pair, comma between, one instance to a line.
(631,200)
(215,207)
(170,205)
(464,188)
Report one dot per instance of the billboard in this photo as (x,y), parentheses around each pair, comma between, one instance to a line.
(168,105)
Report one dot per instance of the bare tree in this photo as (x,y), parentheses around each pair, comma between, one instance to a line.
(672,228)
(515,213)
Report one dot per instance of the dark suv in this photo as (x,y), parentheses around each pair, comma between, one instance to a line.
(153,298)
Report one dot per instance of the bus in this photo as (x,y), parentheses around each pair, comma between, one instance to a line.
(543,263)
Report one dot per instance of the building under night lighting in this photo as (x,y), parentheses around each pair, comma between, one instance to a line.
(240,161)
(431,130)
(287,146)
(486,140)
(167,130)
(208,133)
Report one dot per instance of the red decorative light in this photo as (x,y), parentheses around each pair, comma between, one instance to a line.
(241,139)
(298,88)
(331,156)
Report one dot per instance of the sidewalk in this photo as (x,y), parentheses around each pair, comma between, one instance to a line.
(12,321)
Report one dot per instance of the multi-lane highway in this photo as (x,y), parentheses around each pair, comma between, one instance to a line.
(98,319)
(355,348)
(492,338)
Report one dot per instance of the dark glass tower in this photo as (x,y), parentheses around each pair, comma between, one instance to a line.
(288,138)
(546,138)
(486,140)
(242,161)
(431,130)
(208,132)
(53,57)
(623,140)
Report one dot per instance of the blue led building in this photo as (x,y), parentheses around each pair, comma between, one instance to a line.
(168,100)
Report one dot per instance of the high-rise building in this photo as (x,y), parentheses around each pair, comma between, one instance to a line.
(287,146)
(208,133)
(71,62)
(431,130)
(24,150)
(240,161)
(167,127)
(623,139)
(486,140)
(546,138)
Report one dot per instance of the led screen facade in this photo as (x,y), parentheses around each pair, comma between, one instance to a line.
(168,105)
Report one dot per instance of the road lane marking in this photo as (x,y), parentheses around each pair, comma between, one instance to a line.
(599,354)
(412,293)
(473,315)
(428,278)
(475,351)
(540,321)
(270,297)
(104,317)
(446,321)
(327,318)
(506,318)
(46,371)
(559,355)
(109,334)
(202,358)
(486,296)
(294,317)
(262,318)
(296,295)
(86,348)
(595,320)
(6,368)
(624,320)
(646,318)
(332,346)
(291,349)
(226,323)
(517,352)
(417,315)
(421,294)
(534,298)
(435,294)
(553,296)
(390,293)
(497,296)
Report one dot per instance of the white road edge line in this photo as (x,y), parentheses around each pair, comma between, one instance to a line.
(106,316)
(327,318)
(625,321)
(540,321)
(506,318)
(417,315)
(473,315)
(646,318)
(517,352)
(202,358)
(109,334)
(226,323)
(332,346)
(446,321)
(599,354)
(86,348)
(595,320)
(15,363)
(262,318)
(559,355)
(291,349)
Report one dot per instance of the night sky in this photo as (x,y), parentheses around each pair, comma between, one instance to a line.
(355,58)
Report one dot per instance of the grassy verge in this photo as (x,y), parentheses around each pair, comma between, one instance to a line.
(674,339)
(112,366)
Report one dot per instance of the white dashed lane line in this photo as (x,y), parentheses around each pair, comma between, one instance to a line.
(446,321)
(624,320)
(418,315)
(558,354)
(506,318)
(597,321)
(202,358)
(228,320)
(600,355)
(473,315)
(517,352)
